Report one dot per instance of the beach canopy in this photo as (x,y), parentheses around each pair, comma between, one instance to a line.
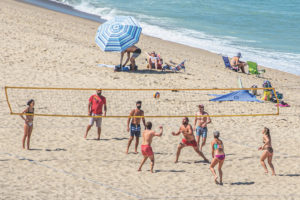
(241,95)
(118,34)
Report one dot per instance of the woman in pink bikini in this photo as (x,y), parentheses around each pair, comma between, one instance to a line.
(28,126)
(218,155)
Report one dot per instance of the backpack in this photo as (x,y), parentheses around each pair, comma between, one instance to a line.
(267,84)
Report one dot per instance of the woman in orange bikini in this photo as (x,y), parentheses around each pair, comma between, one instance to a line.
(28,126)
(218,155)
(267,151)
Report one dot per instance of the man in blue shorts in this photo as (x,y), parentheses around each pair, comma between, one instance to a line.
(202,119)
(135,127)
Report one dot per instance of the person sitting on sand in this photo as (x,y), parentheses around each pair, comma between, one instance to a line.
(28,126)
(188,140)
(218,155)
(235,62)
(135,53)
(146,148)
(154,61)
(267,151)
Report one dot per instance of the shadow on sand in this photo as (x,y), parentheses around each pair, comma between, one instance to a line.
(174,171)
(57,149)
(243,183)
(123,138)
(35,149)
(290,175)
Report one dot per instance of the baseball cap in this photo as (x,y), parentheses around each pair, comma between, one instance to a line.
(239,55)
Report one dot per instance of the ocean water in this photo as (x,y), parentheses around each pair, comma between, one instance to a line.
(267,32)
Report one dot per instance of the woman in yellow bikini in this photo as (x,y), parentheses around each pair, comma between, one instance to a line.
(28,126)
(267,151)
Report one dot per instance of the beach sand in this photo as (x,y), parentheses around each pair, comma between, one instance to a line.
(43,48)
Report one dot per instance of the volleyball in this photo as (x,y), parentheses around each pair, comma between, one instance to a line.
(156,95)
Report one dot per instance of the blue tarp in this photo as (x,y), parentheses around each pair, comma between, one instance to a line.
(241,95)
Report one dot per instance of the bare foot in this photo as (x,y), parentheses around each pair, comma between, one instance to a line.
(273,174)
(136,152)
(266,172)
(139,170)
(207,161)
(126,151)
(84,136)
(176,161)
(216,180)
(221,183)
(151,171)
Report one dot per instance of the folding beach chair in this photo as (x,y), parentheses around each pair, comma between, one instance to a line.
(228,65)
(252,67)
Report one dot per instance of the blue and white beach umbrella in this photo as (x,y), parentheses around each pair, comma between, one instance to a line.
(118,34)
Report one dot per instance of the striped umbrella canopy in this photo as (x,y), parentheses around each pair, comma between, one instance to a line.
(118,34)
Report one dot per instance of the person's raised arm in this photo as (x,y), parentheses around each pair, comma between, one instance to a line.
(160,132)
(128,57)
(175,134)
(129,118)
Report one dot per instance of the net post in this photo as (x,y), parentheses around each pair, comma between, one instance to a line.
(6,95)
(274,91)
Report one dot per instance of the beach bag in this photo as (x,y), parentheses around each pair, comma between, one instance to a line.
(267,84)
(125,69)
(267,96)
(118,68)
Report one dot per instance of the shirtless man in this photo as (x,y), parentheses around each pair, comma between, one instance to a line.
(235,62)
(188,140)
(148,134)
(201,130)
(135,127)
(135,53)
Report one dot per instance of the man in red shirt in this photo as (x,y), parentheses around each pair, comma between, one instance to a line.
(96,102)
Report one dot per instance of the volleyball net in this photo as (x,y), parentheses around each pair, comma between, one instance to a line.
(73,102)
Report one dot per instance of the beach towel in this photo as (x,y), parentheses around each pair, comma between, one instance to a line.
(105,65)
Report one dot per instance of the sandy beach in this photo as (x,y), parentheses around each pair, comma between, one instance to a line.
(43,48)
